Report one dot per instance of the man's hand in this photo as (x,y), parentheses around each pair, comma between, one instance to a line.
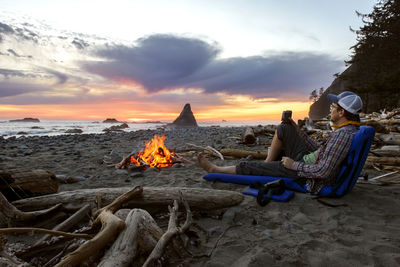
(287,163)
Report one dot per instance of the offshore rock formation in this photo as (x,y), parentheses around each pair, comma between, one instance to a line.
(111,120)
(26,120)
(185,119)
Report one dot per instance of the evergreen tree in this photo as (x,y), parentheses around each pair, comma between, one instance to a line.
(313,96)
(375,62)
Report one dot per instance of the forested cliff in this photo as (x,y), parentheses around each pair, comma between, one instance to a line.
(374,67)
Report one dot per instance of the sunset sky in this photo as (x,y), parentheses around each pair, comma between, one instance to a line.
(144,60)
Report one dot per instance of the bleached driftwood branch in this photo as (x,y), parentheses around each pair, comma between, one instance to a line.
(210,149)
(111,226)
(173,230)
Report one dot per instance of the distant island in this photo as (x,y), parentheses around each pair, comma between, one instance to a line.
(111,120)
(26,120)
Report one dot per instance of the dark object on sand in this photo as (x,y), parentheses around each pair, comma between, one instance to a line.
(272,188)
(186,118)
(248,136)
(26,120)
(73,131)
(116,128)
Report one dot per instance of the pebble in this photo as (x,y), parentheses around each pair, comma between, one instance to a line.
(121,172)
(136,175)
(115,157)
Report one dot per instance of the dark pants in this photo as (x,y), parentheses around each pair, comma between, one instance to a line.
(294,147)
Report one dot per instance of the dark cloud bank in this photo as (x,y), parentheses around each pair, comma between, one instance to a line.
(165,61)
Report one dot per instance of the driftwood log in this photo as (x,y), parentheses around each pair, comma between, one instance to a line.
(154,199)
(68,223)
(29,181)
(385,160)
(248,136)
(119,201)
(42,231)
(111,227)
(208,149)
(10,213)
(139,237)
(379,128)
(237,153)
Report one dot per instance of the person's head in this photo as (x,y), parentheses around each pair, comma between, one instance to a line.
(345,107)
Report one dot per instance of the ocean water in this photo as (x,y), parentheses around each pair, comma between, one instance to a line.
(59,127)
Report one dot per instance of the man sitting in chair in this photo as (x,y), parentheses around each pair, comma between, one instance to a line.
(312,164)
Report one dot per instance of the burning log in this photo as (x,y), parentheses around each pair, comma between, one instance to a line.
(155,154)
(154,198)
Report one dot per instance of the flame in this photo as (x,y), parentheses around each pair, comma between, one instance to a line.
(155,154)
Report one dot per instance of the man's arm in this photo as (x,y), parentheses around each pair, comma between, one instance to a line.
(335,152)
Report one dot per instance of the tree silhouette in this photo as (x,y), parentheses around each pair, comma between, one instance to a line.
(316,94)
(375,62)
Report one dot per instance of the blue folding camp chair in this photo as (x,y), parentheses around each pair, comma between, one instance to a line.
(347,178)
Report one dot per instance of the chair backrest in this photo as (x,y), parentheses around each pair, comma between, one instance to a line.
(353,163)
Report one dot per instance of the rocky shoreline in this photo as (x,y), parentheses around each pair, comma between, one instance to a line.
(81,155)
(301,232)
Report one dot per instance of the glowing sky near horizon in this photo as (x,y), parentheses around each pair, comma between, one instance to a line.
(232,60)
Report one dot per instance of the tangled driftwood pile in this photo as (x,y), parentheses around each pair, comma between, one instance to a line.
(122,228)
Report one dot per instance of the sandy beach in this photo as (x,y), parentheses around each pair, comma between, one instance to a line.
(301,232)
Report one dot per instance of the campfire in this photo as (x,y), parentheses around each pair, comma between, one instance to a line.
(155,154)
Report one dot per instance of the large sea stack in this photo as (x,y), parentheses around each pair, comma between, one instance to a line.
(186,118)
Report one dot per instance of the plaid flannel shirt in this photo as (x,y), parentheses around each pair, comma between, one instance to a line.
(330,155)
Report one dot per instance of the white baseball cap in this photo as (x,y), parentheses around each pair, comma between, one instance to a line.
(349,101)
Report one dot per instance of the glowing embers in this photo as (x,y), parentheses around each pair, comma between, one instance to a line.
(155,154)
